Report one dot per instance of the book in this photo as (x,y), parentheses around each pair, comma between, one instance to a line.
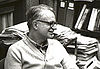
(69,15)
(82,58)
(88,52)
(80,16)
(92,19)
(85,55)
(83,46)
(91,51)
(92,45)
(83,18)
(92,64)
(86,63)
(86,21)
(97,23)
(87,49)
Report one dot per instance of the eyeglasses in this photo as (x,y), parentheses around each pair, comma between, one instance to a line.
(51,23)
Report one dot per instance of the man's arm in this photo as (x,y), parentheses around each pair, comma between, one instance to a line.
(68,62)
(12,60)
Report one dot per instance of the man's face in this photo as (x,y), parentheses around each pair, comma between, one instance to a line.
(45,26)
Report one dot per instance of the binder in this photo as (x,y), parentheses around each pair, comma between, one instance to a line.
(92,19)
(80,16)
(82,21)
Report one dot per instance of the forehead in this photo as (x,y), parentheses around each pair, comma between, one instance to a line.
(47,15)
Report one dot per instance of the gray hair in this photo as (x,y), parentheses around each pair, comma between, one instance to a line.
(34,13)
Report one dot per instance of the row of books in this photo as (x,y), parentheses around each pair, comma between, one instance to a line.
(89,19)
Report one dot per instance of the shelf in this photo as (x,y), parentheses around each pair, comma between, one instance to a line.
(94,34)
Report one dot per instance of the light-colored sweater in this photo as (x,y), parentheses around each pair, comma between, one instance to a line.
(24,55)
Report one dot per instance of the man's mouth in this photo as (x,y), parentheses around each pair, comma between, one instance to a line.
(51,34)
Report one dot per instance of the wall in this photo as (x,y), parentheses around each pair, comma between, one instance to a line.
(30,3)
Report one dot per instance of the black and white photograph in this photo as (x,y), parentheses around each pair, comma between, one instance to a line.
(49,34)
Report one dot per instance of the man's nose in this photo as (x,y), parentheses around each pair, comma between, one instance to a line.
(53,28)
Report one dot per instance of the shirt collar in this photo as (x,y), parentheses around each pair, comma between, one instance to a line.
(43,44)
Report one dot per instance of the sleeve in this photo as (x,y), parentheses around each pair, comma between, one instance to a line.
(68,62)
(64,58)
(13,59)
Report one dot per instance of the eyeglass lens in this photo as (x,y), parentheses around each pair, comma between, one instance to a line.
(52,23)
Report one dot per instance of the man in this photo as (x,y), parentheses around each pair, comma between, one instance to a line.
(28,53)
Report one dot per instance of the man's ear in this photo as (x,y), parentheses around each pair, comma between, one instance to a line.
(35,25)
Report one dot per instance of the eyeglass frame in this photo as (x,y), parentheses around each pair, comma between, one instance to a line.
(51,23)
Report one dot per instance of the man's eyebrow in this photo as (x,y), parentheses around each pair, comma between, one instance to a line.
(43,21)
(47,21)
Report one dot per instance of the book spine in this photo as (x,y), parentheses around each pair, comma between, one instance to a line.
(80,16)
(83,18)
(92,19)
(97,23)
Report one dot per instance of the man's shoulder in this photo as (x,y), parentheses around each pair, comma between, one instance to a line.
(17,45)
(54,41)
(18,42)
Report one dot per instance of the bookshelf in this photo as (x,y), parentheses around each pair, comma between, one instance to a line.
(87,22)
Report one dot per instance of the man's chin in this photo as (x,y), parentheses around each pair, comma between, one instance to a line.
(51,36)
